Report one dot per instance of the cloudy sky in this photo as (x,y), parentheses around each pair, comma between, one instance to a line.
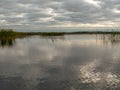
(36,14)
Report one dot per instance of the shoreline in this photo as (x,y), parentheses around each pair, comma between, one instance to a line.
(10,33)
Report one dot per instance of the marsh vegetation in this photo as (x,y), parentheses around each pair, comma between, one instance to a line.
(9,33)
(8,36)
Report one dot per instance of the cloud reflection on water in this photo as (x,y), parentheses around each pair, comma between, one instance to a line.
(38,64)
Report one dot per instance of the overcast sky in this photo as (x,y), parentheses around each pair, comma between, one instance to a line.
(36,14)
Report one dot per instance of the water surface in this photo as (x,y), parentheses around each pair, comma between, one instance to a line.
(71,62)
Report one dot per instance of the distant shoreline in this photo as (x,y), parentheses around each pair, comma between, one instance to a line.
(70,33)
(10,33)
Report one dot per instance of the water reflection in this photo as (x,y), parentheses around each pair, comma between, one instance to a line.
(106,39)
(53,38)
(74,64)
(7,42)
(111,39)
(11,41)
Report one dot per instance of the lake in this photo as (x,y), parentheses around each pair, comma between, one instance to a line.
(70,62)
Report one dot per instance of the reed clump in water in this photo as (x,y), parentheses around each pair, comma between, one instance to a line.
(9,33)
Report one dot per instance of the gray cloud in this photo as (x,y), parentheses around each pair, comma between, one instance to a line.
(49,13)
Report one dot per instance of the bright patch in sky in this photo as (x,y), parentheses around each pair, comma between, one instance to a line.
(116,11)
(31,14)
(93,2)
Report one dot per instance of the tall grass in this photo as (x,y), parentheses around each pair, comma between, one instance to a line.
(7,33)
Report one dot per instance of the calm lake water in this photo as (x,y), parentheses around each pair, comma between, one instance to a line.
(71,62)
